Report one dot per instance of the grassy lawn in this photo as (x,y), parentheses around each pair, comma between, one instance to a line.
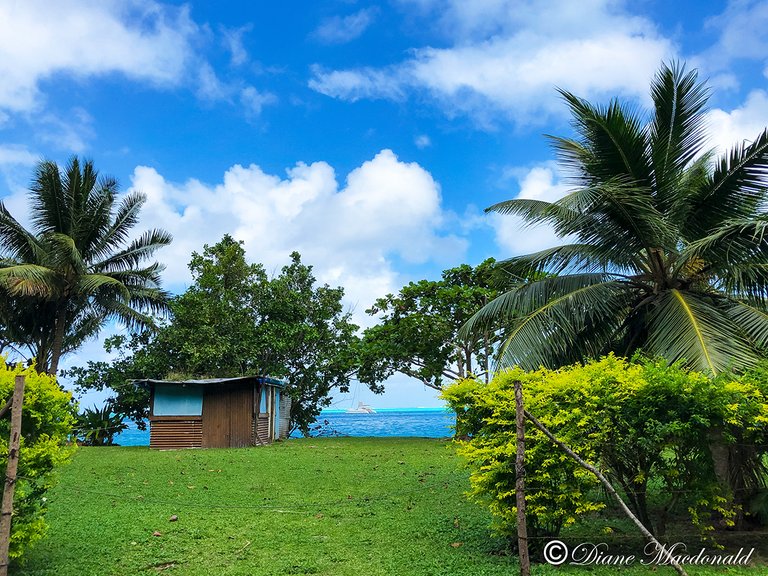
(335,507)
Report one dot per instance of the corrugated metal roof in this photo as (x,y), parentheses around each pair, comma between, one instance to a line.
(202,382)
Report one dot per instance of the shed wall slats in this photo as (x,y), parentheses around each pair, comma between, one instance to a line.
(240,416)
(170,434)
(285,415)
(262,429)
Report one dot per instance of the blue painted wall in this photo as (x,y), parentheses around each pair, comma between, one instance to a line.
(178,400)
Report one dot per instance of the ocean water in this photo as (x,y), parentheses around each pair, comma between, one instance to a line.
(420,422)
(423,422)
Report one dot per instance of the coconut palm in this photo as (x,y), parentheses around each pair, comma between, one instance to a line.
(78,267)
(666,248)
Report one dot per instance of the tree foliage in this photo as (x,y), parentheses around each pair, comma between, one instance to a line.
(234,321)
(667,248)
(654,429)
(78,267)
(417,332)
(48,416)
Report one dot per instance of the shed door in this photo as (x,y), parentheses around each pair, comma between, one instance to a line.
(227,416)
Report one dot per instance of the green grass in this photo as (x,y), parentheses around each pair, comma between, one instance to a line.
(335,507)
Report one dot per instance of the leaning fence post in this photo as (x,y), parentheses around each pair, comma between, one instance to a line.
(522,527)
(6,510)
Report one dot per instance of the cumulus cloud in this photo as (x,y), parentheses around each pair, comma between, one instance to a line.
(741,28)
(505,57)
(342,29)
(351,233)
(140,39)
(746,122)
(513,236)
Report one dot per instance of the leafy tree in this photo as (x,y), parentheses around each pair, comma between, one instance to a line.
(417,333)
(668,253)
(78,267)
(306,336)
(213,331)
(233,321)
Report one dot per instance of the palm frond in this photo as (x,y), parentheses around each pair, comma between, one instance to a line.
(612,145)
(752,319)
(566,327)
(30,280)
(126,217)
(677,132)
(693,329)
(571,258)
(737,189)
(50,212)
(526,299)
(15,241)
(91,284)
(136,252)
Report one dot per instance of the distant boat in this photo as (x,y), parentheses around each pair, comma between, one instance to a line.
(362,408)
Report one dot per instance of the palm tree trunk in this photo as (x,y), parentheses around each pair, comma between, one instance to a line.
(60,327)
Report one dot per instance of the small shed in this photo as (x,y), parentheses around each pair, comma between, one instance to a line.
(218,412)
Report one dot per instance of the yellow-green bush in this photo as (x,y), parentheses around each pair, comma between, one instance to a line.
(48,416)
(652,428)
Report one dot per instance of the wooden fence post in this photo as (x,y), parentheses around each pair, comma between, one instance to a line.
(6,510)
(522,527)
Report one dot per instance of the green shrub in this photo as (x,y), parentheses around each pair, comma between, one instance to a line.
(653,429)
(48,415)
(99,426)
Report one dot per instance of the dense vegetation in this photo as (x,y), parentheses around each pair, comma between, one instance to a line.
(417,333)
(47,419)
(235,320)
(692,444)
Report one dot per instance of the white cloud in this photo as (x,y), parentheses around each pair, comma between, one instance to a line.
(727,129)
(742,35)
(254,101)
(422,141)
(512,235)
(508,57)
(233,41)
(387,210)
(342,29)
(388,83)
(70,134)
(141,39)
(16,155)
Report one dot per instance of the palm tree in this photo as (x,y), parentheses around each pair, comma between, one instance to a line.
(666,247)
(78,268)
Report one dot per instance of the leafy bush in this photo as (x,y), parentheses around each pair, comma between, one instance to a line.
(652,428)
(48,416)
(99,426)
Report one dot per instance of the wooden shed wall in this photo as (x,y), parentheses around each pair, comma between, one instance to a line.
(167,432)
(232,416)
(285,415)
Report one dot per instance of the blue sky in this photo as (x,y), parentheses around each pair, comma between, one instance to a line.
(367,136)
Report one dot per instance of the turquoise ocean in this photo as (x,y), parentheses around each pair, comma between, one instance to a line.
(419,422)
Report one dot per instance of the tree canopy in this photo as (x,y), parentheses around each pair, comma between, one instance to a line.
(417,332)
(666,249)
(78,267)
(235,320)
